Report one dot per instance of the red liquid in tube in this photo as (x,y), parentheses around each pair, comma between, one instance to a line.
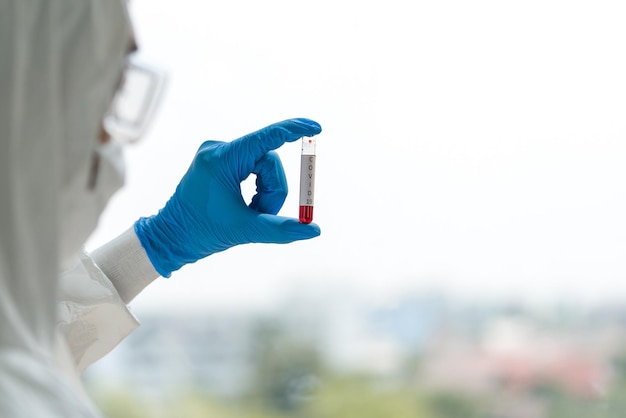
(307,180)
(306,214)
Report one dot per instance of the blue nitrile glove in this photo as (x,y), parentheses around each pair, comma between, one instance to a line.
(207,213)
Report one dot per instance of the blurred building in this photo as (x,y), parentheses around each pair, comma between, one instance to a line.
(213,353)
(420,341)
(519,355)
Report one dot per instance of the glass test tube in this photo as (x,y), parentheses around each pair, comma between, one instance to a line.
(307,180)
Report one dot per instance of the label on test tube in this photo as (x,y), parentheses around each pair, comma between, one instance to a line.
(307,180)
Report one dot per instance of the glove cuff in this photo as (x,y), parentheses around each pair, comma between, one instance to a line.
(165,240)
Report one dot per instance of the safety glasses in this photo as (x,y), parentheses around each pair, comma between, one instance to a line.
(135,102)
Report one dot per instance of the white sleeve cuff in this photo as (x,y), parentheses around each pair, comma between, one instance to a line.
(124,261)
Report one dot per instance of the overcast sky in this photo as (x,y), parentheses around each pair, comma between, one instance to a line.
(474,146)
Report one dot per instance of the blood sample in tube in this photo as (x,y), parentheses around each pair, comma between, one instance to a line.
(307,180)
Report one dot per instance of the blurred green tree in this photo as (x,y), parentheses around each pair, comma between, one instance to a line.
(287,368)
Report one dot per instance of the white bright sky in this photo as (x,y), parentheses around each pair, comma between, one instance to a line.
(473,146)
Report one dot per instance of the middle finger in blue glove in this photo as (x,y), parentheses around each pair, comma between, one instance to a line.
(271,184)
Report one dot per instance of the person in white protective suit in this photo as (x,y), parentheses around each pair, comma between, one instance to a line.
(61,63)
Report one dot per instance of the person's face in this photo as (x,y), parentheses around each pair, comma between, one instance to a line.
(94,171)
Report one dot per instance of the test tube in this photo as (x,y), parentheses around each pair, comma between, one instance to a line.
(307,180)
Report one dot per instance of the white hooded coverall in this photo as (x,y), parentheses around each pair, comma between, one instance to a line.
(60,63)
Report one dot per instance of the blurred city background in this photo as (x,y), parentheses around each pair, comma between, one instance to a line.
(471,195)
(424,356)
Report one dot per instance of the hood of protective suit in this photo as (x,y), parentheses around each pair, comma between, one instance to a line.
(60,64)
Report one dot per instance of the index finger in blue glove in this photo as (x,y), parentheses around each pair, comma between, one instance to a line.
(248,149)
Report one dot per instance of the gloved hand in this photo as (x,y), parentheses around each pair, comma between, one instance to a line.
(207,213)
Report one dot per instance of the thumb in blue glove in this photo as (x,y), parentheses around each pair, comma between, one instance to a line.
(207,213)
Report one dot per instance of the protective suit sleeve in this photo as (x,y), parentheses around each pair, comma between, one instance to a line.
(92,317)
